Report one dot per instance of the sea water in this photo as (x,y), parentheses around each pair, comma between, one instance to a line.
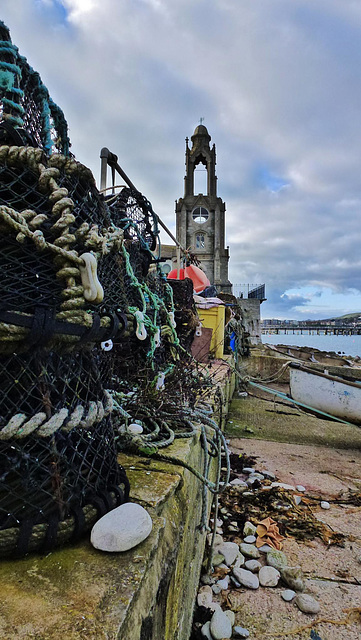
(345,345)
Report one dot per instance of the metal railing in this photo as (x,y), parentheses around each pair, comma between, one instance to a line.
(109,159)
(257,291)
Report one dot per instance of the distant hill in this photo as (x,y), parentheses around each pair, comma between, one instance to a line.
(349,316)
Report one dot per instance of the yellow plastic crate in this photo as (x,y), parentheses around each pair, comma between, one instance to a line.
(214,319)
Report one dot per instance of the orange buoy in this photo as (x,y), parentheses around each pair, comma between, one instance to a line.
(198,277)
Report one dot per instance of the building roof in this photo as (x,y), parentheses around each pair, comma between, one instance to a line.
(201,130)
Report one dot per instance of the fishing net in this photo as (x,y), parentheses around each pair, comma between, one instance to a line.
(58,460)
(27,113)
(91,333)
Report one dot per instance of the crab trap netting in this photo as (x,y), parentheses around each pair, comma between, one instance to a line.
(88,325)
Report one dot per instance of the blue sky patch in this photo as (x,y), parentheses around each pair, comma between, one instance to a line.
(268,180)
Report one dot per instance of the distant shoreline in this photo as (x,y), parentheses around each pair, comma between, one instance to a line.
(343,345)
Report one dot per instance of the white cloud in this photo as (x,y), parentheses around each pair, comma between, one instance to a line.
(279,84)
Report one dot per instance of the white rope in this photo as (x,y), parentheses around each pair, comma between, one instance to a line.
(83,417)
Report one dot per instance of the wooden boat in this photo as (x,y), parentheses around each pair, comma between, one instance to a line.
(311,354)
(336,395)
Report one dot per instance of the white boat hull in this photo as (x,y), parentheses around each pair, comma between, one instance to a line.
(335,397)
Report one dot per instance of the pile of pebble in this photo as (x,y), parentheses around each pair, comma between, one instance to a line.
(246,566)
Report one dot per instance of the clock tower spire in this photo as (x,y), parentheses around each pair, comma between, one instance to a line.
(200,217)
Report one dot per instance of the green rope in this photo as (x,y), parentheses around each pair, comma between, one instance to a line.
(284,396)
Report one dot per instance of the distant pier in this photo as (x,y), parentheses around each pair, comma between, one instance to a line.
(343,330)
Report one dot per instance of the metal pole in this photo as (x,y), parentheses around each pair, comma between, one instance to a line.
(112,160)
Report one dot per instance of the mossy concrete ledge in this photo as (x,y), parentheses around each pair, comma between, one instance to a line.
(147,593)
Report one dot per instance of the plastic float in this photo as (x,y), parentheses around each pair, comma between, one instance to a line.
(198,277)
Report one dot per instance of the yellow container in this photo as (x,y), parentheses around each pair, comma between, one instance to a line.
(214,319)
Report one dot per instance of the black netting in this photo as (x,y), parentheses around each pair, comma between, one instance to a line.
(75,353)
(42,381)
(28,278)
(55,474)
(185,311)
(27,113)
(130,211)
(52,475)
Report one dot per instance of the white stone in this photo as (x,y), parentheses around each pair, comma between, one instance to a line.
(239,561)
(306,603)
(216,588)
(248,470)
(287,595)
(220,626)
(252,480)
(265,548)
(246,578)
(217,540)
(229,551)
(224,583)
(249,539)
(122,528)
(231,616)
(269,475)
(206,632)
(217,558)
(204,596)
(240,632)
(237,482)
(325,505)
(277,559)
(300,488)
(269,576)
(249,550)
(293,577)
(297,500)
(135,428)
(249,529)
(235,582)
(218,523)
(283,485)
(252,565)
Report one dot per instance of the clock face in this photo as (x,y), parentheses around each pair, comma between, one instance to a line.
(200,215)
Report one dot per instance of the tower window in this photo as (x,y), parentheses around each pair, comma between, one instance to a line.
(200,178)
(200,215)
(200,243)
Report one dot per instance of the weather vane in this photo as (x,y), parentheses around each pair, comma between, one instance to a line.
(201,120)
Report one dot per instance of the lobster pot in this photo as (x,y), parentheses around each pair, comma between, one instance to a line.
(58,465)
(28,115)
(185,311)
(50,214)
(133,213)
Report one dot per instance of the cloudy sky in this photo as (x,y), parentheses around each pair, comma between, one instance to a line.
(278,83)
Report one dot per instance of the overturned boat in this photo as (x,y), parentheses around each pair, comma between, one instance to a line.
(336,395)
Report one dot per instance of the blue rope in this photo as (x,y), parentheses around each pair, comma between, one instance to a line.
(8,66)
(51,116)
(14,105)
(8,47)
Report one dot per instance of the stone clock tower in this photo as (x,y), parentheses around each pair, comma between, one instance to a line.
(200,218)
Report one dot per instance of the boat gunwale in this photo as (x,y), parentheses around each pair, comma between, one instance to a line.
(328,376)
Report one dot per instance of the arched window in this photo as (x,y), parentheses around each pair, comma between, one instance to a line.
(200,241)
(200,215)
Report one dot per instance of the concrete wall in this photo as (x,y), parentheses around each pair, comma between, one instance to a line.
(251,318)
(147,593)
